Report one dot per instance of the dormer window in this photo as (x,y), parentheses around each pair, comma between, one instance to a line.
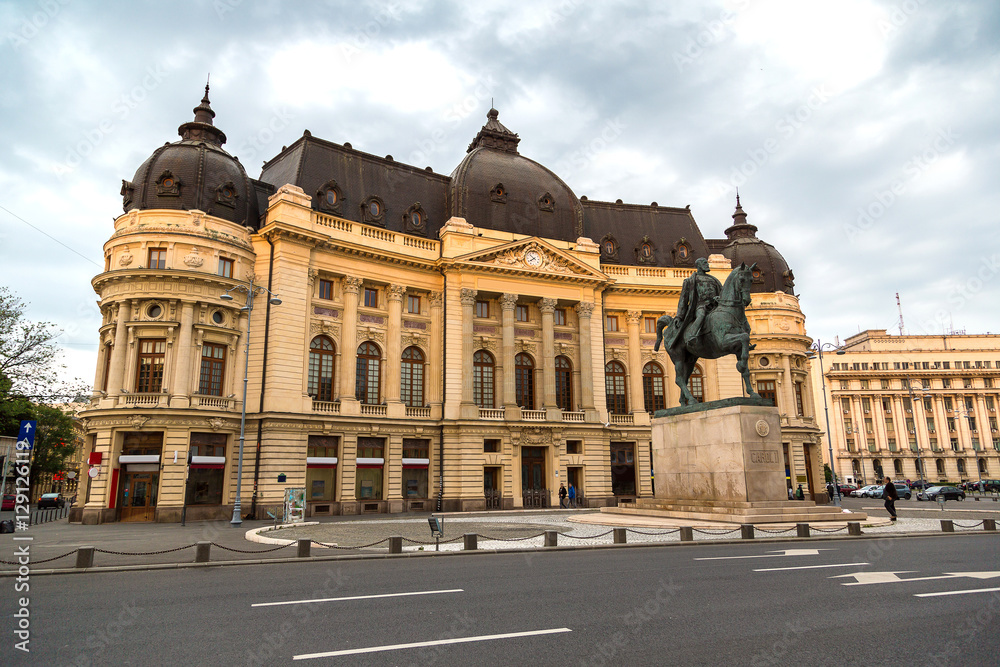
(683,252)
(167,185)
(415,220)
(499,194)
(546,202)
(373,211)
(225,194)
(329,197)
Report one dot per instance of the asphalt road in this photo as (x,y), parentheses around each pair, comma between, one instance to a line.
(636,606)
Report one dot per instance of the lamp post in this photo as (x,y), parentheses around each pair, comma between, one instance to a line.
(818,346)
(251,290)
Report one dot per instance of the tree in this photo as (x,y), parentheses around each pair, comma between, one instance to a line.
(55,440)
(828,473)
(29,356)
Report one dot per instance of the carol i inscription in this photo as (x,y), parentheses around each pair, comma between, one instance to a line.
(763,456)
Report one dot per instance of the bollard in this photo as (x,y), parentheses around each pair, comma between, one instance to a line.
(802,529)
(947,526)
(471,541)
(202,552)
(396,544)
(746,531)
(989,524)
(551,538)
(853,528)
(621,536)
(85,557)
(304,548)
(687,534)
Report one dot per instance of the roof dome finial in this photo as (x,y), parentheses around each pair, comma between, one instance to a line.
(494,135)
(202,128)
(740,226)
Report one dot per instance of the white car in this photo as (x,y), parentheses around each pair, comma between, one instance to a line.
(864,491)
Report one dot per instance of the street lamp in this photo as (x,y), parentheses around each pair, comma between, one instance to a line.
(251,290)
(818,346)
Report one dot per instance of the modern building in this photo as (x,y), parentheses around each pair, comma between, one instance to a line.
(443,342)
(914,407)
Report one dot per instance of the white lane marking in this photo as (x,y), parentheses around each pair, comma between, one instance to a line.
(808,567)
(439,642)
(971,590)
(773,554)
(865,578)
(357,597)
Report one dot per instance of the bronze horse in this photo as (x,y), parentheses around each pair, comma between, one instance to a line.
(725,331)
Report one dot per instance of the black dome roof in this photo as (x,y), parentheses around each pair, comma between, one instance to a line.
(194,173)
(772,274)
(500,189)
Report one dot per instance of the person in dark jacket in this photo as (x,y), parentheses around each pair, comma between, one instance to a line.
(799,493)
(890,496)
(562,496)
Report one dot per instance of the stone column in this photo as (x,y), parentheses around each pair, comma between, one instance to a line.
(117,369)
(792,410)
(584,311)
(548,308)
(507,304)
(434,378)
(633,318)
(185,357)
(468,298)
(393,350)
(349,347)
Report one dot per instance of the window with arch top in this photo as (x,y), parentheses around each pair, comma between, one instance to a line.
(368,373)
(483,367)
(696,384)
(411,378)
(524,381)
(321,357)
(614,388)
(564,384)
(653,395)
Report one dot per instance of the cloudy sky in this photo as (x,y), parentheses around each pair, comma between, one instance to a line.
(863,134)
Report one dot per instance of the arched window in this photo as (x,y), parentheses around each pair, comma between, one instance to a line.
(482,379)
(564,384)
(983,467)
(696,384)
(940,466)
(897,467)
(368,371)
(921,470)
(877,467)
(652,388)
(614,388)
(856,466)
(961,467)
(524,381)
(411,378)
(321,355)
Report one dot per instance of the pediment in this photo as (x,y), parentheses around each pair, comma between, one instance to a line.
(531,254)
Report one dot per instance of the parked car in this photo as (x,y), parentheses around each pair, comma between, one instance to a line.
(991,485)
(921,485)
(946,492)
(847,489)
(864,492)
(49,500)
(8,502)
(902,490)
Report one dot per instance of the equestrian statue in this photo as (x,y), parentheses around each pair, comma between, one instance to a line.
(711,322)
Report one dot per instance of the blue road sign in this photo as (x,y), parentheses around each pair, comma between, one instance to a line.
(26,436)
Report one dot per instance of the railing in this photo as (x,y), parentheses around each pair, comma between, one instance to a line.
(214,402)
(141,400)
(326,406)
(327,221)
(494,500)
(491,414)
(573,416)
(424,413)
(533,415)
(378,234)
(44,516)
(535,497)
(624,420)
(421,244)
(373,410)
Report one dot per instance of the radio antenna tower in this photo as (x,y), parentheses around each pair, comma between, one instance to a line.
(902,329)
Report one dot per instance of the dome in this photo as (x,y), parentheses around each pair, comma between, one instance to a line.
(194,173)
(497,188)
(772,273)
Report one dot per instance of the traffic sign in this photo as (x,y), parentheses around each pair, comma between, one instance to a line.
(26,435)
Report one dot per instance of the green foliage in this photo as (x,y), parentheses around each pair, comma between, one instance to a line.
(55,440)
(827,473)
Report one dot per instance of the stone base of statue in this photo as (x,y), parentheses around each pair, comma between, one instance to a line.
(723,461)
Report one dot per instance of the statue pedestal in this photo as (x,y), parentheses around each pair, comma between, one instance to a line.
(723,461)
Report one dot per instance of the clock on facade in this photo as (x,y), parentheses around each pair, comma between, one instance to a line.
(533,258)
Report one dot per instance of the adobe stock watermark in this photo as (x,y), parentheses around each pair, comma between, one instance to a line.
(635,621)
(363,36)
(452,119)
(785,127)
(120,110)
(592,149)
(898,16)
(912,169)
(711,33)
(39,18)
(251,147)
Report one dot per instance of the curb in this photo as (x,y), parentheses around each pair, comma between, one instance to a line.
(484,552)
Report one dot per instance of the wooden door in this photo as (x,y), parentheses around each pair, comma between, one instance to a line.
(139,496)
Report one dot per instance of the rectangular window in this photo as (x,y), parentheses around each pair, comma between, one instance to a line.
(650,324)
(988,382)
(612,322)
(521,313)
(884,383)
(225,267)
(799,406)
(559,317)
(371,297)
(954,445)
(866,404)
(157,258)
(574,446)
(149,375)
(951,423)
(413,304)
(948,405)
(205,480)
(892,444)
(930,425)
(213,368)
(869,427)
(482,309)
(767,389)
(990,405)
(887,405)
(845,404)
(889,428)
(491,445)
(415,455)
(967,383)
(864,384)
(369,475)
(993,424)
(845,384)
(946,383)
(325,289)
(928,405)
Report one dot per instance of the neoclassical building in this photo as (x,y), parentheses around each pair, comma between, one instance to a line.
(459,342)
(914,406)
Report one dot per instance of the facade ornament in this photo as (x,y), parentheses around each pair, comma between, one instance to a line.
(633,317)
(216,423)
(584,309)
(547,305)
(126,257)
(313,274)
(133,216)
(395,292)
(196,218)
(508,301)
(138,421)
(487,343)
(193,259)
(351,284)
(468,296)
(371,333)
(437,299)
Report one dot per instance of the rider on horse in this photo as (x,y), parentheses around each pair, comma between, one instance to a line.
(699,295)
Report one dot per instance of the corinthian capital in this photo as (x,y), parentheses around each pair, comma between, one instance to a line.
(508,301)
(584,309)
(633,316)
(468,296)
(547,305)
(395,292)
(351,284)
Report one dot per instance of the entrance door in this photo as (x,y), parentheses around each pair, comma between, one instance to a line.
(139,496)
(491,488)
(807,450)
(623,468)
(533,477)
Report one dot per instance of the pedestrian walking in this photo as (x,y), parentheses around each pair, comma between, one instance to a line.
(890,496)
(799,493)
(572,495)
(791,494)
(829,490)
(562,495)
